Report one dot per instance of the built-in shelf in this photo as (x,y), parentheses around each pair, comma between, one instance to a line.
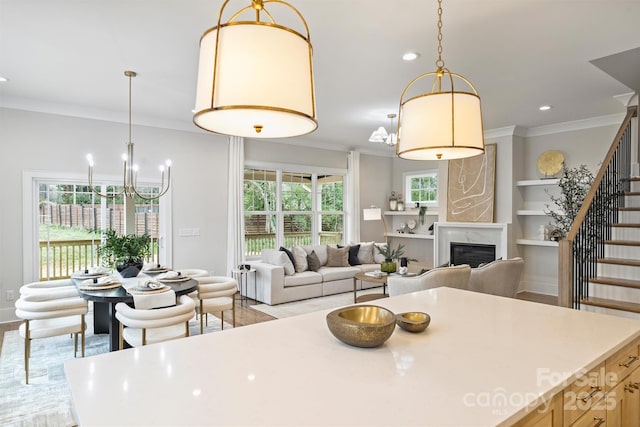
(533,242)
(411,213)
(411,236)
(531,182)
(531,212)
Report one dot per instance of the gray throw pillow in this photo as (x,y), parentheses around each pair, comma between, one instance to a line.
(313,261)
(365,254)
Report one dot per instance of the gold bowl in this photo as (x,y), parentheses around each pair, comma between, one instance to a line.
(413,321)
(362,325)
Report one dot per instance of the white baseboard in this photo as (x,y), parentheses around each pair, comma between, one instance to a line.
(539,287)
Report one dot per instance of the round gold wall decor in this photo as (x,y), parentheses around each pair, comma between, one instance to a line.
(550,163)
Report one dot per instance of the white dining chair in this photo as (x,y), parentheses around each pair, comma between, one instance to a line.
(45,286)
(215,294)
(140,327)
(192,272)
(51,313)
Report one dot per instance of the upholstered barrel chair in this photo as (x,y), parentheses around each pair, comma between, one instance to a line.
(454,277)
(140,327)
(500,277)
(193,272)
(50,313)
(45,286)
(215,294)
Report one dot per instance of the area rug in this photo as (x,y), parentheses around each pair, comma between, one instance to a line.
(295,308)
(46,401)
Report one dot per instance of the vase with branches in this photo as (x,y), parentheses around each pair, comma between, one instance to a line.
(574,185)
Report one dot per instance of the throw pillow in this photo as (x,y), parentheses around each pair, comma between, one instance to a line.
(378,258)
(299,259)
(321,251)
(337,257)
(353,254)
(313,261)
(281,258)
(365,254)
(289,254)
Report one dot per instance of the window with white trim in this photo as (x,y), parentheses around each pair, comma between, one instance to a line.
(421,187)
(283,208)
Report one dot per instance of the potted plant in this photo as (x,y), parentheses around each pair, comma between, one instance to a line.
(390,256)
(126,253)
(574,185)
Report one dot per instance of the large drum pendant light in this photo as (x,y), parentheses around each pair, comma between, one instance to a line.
(255,78)
(443,124)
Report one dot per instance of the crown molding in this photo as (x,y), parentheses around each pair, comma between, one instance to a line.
(594,122)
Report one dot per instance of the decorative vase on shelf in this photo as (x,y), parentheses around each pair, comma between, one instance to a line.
(388,266)
(400,203)
(393,202)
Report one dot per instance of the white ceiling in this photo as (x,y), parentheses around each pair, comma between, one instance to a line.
(68,57)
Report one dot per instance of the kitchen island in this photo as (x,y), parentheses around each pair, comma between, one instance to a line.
(484,360)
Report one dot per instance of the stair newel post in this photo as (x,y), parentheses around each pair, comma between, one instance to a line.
(565,273)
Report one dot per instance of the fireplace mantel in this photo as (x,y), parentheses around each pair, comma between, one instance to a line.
(468,232)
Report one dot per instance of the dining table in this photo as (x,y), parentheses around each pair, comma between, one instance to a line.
(105,300)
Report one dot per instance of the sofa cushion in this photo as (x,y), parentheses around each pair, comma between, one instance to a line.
(313,261)
(353,254)
(369,267)
(337,257)
(281,258)
(320,250)
(299,259)
(378,258)
(301,279)
(289,254)
(365,254)
(338,273)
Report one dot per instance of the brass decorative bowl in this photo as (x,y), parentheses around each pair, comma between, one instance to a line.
(362,325)
(413,321)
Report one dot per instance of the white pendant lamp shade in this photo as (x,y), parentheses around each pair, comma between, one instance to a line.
(444,123)
(440,126)
(255,79)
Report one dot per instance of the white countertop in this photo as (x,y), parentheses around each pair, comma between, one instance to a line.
(480,362)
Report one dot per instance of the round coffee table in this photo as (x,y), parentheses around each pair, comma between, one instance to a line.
(364,278)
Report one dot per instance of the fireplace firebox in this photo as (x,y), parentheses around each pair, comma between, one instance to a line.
(473,254)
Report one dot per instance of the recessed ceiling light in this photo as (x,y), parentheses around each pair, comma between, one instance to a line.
(410,56)
(3,79)
(545,108)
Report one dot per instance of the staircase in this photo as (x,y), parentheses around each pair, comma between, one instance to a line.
(599,260)
(616,287)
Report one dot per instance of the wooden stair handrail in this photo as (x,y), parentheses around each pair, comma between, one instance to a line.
(582,213)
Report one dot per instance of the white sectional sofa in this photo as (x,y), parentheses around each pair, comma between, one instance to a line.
(276,283)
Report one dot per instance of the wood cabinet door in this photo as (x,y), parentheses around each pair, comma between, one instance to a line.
(544,415)
(594,417)
(623,402)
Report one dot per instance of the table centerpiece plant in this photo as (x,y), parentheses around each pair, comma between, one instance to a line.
(390,257)
(126,253)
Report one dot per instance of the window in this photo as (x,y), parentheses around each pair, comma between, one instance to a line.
(422,187)
(66,221)
(283,208)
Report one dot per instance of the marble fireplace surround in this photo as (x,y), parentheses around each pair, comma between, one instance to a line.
(468,232)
